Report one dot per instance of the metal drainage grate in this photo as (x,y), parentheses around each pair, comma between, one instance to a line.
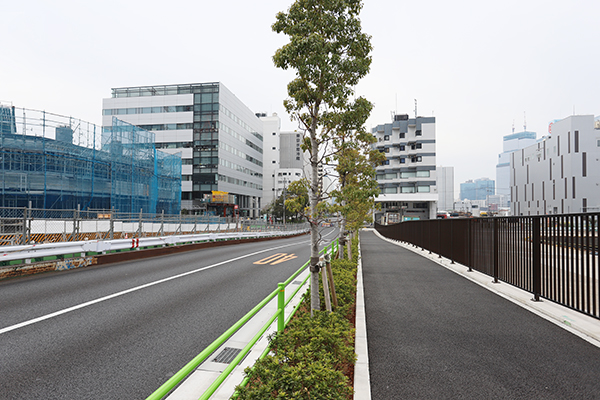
(297,283)
(227,355)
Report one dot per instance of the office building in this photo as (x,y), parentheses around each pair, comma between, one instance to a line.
(407,178)
(561,173)
(219,138)
(510,143)
(479,189)
(283,159)
(445,188)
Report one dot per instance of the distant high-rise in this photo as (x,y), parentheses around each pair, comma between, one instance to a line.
(512,142)
(7,120)
(478,189)
(445,186)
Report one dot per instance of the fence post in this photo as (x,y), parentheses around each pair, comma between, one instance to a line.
(24,230)
(451,242)
(111,229)
(469,245)
(537,259)
(75,234)
(280,307)
(140,224)
(162,223)
(495,249)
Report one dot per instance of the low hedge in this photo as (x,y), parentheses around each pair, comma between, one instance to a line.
(314,357)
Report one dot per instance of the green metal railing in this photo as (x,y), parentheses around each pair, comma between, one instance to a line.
(281,322)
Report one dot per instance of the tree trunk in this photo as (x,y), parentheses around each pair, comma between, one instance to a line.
(343,240)
(315,303)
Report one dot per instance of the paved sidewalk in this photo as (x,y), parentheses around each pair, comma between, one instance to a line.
(432,334)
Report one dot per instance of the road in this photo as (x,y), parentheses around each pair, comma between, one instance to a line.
(119,331)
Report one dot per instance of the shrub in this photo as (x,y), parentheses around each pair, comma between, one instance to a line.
(314,357)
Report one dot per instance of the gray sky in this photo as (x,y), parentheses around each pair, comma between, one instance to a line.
(475,66)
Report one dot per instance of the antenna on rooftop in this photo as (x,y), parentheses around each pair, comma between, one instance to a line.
(513,129)
(415,108)
(524,122)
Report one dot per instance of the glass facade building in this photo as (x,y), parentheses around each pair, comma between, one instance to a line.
(219,138)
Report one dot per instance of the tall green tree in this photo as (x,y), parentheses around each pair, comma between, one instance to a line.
(330,54)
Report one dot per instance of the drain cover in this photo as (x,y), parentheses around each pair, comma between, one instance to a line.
(227,355)
(296,282)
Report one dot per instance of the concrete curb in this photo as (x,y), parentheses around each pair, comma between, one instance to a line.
(362,380)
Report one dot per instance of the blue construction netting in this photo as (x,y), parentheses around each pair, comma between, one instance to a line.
(51,161)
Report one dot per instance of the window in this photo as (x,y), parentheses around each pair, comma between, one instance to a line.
(274,148)
(423,189)
(386,137)
(273,162)
(415,146)
(402,147)
(386,162)
(418,132)
(381,177)
(408,189)
(408,174)
(423,174)
(274,133)
(387,150)
(402,135)
(416,159)
(390,190)
(403,161)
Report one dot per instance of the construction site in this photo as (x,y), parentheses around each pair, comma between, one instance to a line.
(54,162)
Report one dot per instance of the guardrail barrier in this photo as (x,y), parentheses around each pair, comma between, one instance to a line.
(279,315)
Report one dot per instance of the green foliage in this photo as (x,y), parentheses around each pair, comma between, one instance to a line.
(312,358)
(297,200)
(329,54)
(274,378)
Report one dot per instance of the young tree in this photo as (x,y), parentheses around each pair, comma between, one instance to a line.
(330,54)
(297,200)
(358,188)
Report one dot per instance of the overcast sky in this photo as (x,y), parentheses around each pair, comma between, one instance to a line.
(478,68)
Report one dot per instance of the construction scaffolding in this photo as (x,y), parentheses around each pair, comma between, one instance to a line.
(51,161)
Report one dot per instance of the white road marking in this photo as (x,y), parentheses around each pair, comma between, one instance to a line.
(112,296)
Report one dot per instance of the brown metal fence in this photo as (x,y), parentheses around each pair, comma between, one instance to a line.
(553,257)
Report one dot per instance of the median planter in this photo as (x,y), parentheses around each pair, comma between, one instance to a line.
(314,357)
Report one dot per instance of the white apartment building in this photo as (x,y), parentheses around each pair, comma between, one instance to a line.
(283,160)
(407,178)
(445,186)
(219,138)
(561,173)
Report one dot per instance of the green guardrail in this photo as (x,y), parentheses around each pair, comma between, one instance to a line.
(281,322)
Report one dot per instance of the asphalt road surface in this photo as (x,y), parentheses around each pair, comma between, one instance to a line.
(119,331)
(435,335)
